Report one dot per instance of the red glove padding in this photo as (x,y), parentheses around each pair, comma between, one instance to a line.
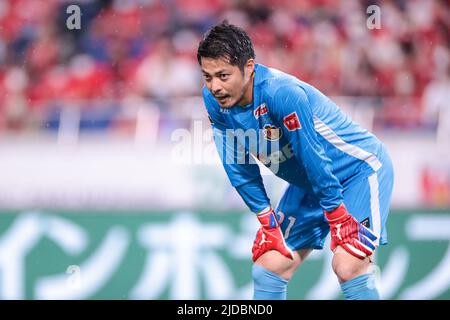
(348,233)
(270,237)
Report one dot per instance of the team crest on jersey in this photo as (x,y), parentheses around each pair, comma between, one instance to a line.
(291,122)
(260,111)
(272,133)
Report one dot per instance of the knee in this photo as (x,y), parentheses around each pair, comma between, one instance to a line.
(262,276)
(278,264)
(347,268)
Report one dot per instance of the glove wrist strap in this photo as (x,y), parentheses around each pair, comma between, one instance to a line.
(337,214)
(268,219)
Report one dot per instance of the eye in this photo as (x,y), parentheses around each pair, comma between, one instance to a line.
(207,77)
(224,76)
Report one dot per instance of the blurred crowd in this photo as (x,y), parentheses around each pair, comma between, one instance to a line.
(138,49)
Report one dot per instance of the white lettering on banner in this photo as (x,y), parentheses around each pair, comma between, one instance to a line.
(437,281)
(394,272)
(25,232)
(182,257)
(97,269)
(176,251)
(15,244)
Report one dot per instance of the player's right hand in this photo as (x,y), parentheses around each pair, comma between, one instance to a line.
(348,233)
(269,237)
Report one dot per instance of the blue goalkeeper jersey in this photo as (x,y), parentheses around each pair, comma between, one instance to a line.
(298,133)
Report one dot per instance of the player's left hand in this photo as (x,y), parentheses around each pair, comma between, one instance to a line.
(270,237)
(351,235)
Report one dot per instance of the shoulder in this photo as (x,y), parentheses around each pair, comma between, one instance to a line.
(275,84)
(289,97)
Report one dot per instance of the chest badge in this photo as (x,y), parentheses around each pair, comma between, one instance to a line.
(291,122)
(271,132)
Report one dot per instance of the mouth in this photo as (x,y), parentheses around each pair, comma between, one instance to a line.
(222,99)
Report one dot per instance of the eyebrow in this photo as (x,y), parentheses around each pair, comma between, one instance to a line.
(217,73)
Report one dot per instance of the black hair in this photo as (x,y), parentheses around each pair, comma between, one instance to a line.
(226,41)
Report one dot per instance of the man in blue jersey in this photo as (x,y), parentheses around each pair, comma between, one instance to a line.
(340,176)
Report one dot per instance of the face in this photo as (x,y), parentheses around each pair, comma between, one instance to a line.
(227,83)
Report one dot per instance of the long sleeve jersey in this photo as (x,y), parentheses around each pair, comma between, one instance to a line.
(298,133)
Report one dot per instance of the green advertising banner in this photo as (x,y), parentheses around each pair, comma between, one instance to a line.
(195,255)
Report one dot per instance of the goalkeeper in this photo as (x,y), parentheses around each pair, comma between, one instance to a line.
(340,176)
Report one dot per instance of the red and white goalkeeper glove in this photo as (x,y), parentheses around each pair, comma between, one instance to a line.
(269,237)
(348,233)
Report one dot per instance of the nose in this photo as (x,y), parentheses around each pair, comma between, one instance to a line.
(215,86)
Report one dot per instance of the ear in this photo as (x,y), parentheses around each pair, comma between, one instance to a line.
(249,68)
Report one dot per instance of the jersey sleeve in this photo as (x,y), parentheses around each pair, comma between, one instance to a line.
(244,176)
(293,111)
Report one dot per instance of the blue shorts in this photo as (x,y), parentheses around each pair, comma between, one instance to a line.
(367,198)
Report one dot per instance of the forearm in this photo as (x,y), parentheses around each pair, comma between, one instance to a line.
(254,195)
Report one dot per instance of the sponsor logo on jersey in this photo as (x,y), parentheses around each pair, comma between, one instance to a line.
(272,133)
(224,110)
(261,110)
(291,122)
